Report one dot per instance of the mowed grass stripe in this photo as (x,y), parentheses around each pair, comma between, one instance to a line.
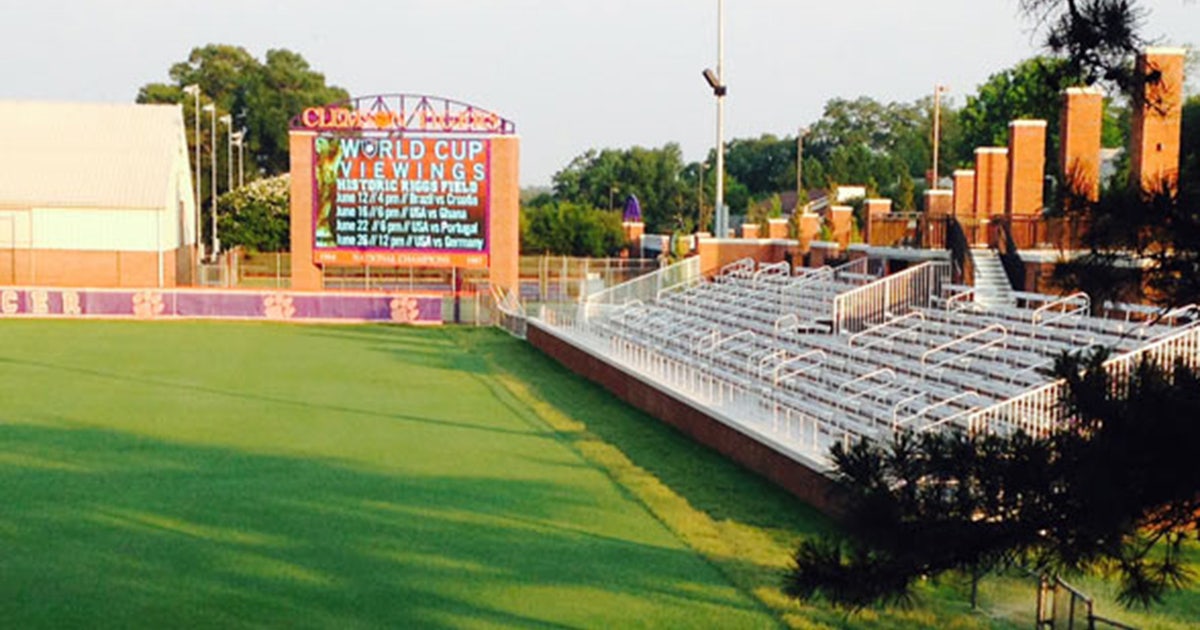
(227,474)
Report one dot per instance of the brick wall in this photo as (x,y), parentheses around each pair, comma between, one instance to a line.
(796,477)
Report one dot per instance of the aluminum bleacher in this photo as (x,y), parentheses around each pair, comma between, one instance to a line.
(809,357)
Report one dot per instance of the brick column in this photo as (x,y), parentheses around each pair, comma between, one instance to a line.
(874,209)
(1026,167)
(964,194)
(750,230)
(777,228)
(810,227)
(1157,120)
(1079,158)
(939,203)
(991,180)
(840,218)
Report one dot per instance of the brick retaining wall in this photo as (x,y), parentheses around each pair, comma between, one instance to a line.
(798,478)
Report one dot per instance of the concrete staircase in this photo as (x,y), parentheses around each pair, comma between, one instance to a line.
(991,283)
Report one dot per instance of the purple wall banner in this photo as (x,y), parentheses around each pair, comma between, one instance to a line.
(421,309)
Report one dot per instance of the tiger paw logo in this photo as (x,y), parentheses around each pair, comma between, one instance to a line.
(404,310)
(147,305)
(278,306)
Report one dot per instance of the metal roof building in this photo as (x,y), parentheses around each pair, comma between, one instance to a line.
(94,195)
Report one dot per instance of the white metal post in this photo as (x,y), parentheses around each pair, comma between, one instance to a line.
(722,213)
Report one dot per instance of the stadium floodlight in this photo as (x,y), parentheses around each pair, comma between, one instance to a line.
(714,82)
(211,108)
(239,138)
(227,120)
(194,91)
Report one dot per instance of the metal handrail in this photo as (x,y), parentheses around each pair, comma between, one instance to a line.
(799,357)
(866,377)
(1087,303)
(779,323)
(949,344)
(925,410)
(891,322)
(875,299)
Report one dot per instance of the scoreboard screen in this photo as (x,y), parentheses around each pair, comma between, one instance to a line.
(404,201)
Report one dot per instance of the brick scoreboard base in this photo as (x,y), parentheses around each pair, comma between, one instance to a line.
(801,479)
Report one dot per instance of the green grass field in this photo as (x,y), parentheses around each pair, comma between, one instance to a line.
(240,474)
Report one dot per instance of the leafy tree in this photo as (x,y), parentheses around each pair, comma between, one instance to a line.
(764,165)
(759,213)
(1113,489)
(601,178)
(261,97)
(1094,38)
(570,229)
(902,130)
(256,216)
(1189,145)
(1031,89)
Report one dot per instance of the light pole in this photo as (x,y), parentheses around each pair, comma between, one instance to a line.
(938,90)
(700,198)
(716,80)
(227,120)
(194,90)
(801,201)
(239,139)
(213,155)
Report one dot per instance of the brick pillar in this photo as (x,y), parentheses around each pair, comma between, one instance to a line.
(633,231)
(810,227)
(1026,167)
(840,218)
(1079,158)
(939,202)
(750,230)
(777,228)
(874,209)
(964,194)
(991,180)
(1157,120)
(633,235)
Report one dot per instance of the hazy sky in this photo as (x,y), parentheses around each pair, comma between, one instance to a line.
(572,74)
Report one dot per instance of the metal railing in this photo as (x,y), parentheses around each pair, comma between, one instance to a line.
(647,288)
(1061,606)
(1039,411)
(896,294)
(510,315)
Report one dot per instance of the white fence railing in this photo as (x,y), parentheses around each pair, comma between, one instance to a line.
(647,288)
(510,314)
(1039,411)
(896,294)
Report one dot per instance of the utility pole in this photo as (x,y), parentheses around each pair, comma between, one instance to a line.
(801,200)
(937,131)
(721,213)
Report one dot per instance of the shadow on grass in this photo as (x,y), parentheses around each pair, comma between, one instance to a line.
(707,480)
(425,347)
(141,379)
(107,529)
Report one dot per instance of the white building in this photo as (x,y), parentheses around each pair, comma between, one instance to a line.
(95,195)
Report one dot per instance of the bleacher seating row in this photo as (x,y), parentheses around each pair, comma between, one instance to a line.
(764,334)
